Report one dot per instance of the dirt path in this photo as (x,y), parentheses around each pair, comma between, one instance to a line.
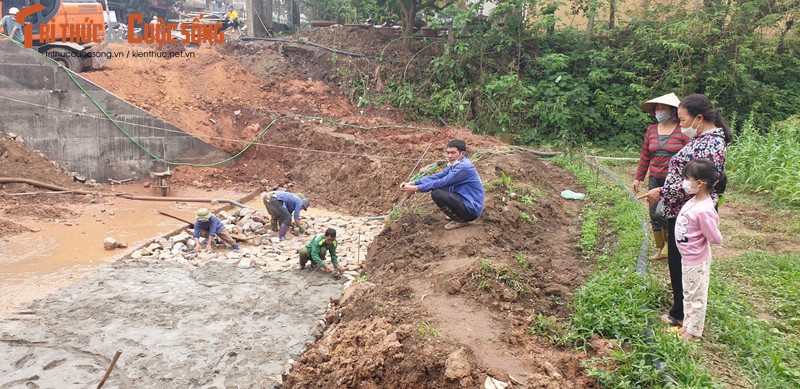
(435,292)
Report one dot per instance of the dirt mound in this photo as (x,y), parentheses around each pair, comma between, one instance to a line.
(431,292)
(202,95)
(17,161)
(8,228)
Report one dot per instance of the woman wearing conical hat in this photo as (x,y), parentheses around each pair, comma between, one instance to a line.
(662,140)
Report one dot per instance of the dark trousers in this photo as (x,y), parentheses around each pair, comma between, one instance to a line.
(675,273)
(305,257)
(658,223)
(229,23)
(279,214)
(452,204)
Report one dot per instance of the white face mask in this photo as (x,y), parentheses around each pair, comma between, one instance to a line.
(690,132)
(663,115)
(687,187)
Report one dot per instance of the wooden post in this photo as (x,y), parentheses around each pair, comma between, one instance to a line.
(110,367)
(259,18)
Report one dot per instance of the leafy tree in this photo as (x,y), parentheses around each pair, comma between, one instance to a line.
(341,11)
(522,76)
(409,10)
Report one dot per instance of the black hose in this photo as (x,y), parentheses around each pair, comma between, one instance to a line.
(641,266)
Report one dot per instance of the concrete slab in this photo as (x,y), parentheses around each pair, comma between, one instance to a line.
(213,326)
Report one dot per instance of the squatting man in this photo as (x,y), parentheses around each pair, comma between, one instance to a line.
(207,225)
(314,252)
(457,190)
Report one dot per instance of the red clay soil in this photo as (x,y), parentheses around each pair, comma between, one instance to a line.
(429,292)
(427,295)
(17,161)
(202,95)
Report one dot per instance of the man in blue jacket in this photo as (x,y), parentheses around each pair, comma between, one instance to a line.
(207,225)
(457,190)
(280,206)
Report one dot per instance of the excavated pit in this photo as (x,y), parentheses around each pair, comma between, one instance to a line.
(426,312)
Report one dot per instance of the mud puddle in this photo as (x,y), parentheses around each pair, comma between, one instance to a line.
(219,319)
(34,264)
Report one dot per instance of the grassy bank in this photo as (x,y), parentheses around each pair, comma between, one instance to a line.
(753,326)
(617,302)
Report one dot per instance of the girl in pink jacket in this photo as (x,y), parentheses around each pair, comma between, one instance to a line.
(696,228)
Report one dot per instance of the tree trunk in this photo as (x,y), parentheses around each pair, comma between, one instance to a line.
(409,10)
(612,13)
(293,13)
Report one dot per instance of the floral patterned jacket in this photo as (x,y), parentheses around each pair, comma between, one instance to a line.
(709,145)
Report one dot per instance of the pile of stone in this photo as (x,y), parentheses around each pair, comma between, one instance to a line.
(260,246)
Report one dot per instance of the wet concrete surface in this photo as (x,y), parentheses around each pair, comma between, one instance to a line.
(34,264)
(209,327)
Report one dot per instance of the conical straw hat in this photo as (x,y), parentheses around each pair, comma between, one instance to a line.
(668,99)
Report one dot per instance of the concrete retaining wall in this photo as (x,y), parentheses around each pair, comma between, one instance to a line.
(40,102)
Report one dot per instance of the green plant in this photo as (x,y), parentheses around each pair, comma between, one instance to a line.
(524,216)
(486,266)
(766,161)
(504,181)
(483,283)
(548,326)
(427,330)
(745,290)
(522,260)
(511,278)
(589,232)
(505,275)
(342,11)
(614,302)
(521,75)
(395,213)
(530,196)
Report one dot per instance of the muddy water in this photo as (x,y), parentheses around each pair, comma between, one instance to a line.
(36,263)
(178,325)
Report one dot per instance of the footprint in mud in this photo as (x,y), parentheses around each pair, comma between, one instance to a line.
(53,364)
(24,360)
